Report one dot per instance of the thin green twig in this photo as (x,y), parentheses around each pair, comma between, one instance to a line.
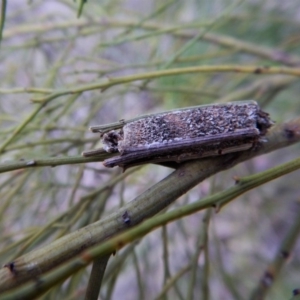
(109,82)
(3,14)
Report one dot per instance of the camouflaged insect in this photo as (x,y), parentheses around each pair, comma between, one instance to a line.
(183,134)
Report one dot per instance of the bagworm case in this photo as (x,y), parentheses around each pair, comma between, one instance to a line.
(184,134)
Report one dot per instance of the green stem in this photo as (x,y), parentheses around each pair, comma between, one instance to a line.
(109,82)
(219,199)
(146,206)
(2,21)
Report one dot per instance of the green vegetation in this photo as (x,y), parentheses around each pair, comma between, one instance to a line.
(216,228)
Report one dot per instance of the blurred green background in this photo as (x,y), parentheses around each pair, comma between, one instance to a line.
(46,48)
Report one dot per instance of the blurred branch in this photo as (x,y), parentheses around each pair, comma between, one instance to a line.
(50,162)
(97,273)
(272,54)
(215,23)
(75,210)
(77,141)
(284,252)
(80,7)
(206,268)
(276,54)
(260,87)
(29,90)
(172,281)
(36,263)
(52,73)
(2,21)
(112,81)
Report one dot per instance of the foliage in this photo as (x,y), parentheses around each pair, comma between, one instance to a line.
(67,65)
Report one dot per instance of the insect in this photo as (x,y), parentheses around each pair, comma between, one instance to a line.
(183,134)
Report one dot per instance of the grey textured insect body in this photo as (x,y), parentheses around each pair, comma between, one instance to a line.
(184,134)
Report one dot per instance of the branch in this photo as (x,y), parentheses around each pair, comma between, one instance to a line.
(282,256)
(109,82)
(158,197)
(51,162)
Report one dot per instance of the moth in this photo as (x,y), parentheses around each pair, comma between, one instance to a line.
(183,134)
